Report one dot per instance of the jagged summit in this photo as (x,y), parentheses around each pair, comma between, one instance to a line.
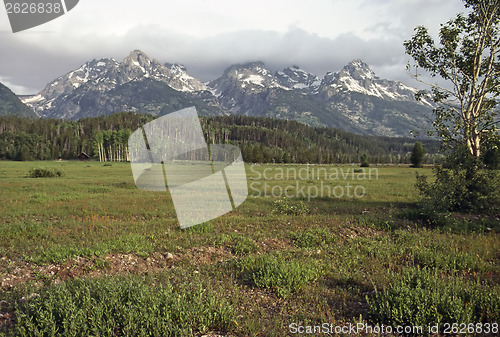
(137,58)
(253,75)
(358,70)
(358,77)
(295,78)
(104,75)
(176,67)
(353,98)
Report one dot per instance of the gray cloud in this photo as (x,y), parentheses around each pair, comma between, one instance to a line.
(30,60)
(33,66)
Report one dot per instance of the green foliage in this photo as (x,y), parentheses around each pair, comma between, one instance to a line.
(278,274)
(45,172)
(49,139)
(122,306)
(467,59)
(260,139)
(290,207)
(364,161)
(111,145)
(436,256)
(470,190)
(49,223)
(417,155)
(203,228)
(491,155)
(312,238)
(376,222)
(419,297)
(244,245)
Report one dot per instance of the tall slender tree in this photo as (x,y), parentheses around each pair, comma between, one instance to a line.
(467,58)
(417,155)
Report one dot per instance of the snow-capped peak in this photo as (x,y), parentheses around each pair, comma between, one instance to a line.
(105,74)
(254,76)
(176,67)
(358,70)
(297,78)
(181,80)
(358,77)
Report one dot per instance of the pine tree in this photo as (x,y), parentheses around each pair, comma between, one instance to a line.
(364,160)
(417,155)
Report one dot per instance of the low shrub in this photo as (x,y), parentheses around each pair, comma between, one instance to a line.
(244,246)
(421,298)
(462,184)
(377,222)
(455,190)
(290,207)
(45,172)
(364,161)
(122,306)
(447,260)
(311,238)
(278,274)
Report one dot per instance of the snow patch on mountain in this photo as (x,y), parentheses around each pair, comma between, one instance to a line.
(105,74)
(295,78)
(358,77)
(353,97)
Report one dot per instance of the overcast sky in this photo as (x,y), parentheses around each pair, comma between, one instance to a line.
(209,35)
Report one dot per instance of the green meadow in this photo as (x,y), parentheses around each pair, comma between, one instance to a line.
(314,249)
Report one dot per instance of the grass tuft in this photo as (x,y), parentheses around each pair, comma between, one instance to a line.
(421,298)
(45,172)
(290,207)
(280,275)
(311,238)
(122,306)
(244,246)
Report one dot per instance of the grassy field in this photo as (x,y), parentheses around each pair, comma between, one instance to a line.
(88,253)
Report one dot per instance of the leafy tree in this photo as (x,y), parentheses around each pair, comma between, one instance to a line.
(257,155)
(364,160)
(467,58)
(417,155)
(491,156)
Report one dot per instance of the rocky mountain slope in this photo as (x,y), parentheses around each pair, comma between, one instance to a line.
(106,86)
(354,99)
(10,104)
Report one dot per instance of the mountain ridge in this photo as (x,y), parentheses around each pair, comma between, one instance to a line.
(10,104)
(353,98)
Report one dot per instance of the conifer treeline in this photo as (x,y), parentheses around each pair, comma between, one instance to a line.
(284,141)
(260,140)
(103,138)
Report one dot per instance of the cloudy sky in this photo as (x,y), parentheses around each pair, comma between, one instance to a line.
(209,35)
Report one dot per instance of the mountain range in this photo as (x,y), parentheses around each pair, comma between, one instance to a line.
(353,99)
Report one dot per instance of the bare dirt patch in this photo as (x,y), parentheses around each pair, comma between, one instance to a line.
(111,264)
